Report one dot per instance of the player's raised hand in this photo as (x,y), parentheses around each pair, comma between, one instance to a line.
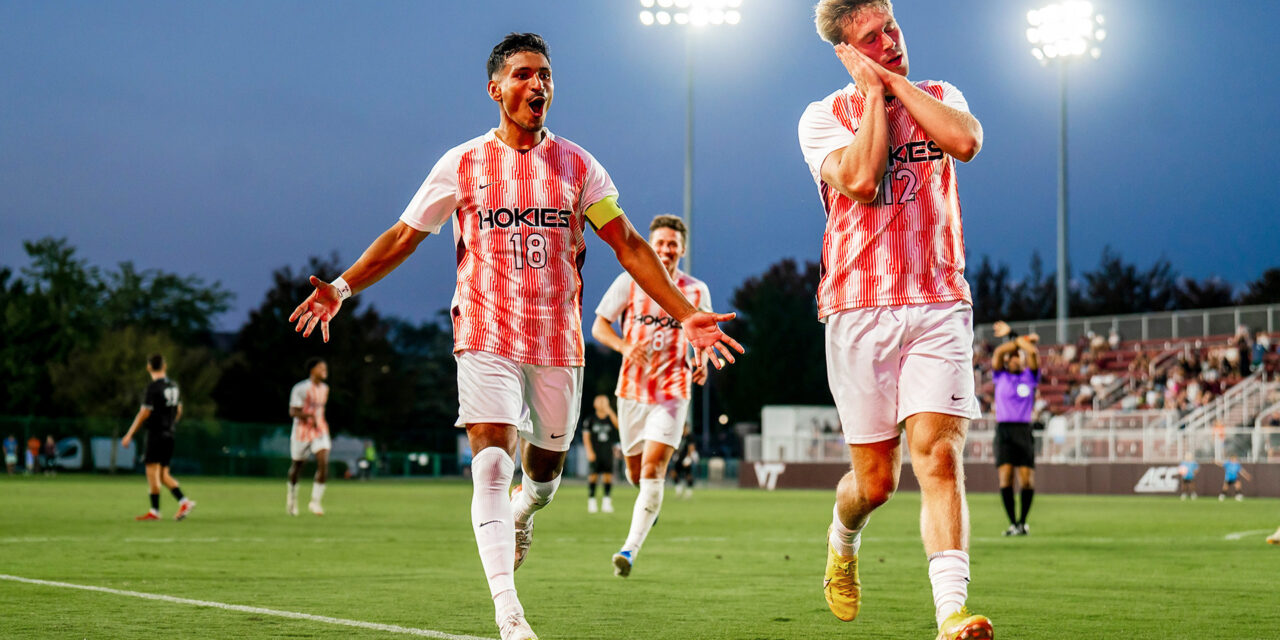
(707,338)
(319,308)
(700,374)
(865,73)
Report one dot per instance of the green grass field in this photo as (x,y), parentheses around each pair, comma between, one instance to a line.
(727,564)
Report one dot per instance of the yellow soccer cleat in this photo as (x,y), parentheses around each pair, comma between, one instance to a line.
(1274,538)
(963,625)
(841,585)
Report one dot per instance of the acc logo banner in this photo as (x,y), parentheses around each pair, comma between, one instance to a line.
(767,474)
(1158,480)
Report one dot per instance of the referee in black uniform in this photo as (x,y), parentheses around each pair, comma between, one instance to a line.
(599,437)
(161,409)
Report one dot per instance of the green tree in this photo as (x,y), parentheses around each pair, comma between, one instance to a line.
(1117,287)
(1203,294)
(152,300)
(1264,290)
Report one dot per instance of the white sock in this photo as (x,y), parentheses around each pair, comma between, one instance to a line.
(645,512)
(533,497)
(949,573)
(491,472)
(317,492)
(293,493)
(846,541)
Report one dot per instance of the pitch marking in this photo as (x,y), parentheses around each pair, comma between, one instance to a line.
(389,628)
(1244,534)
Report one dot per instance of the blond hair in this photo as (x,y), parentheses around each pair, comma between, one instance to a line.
(831,16)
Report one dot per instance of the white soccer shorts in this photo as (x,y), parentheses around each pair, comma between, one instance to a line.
(640,422)
(303,450)
(541,402)
(885,364)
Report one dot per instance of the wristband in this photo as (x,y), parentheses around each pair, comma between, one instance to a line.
(344,289)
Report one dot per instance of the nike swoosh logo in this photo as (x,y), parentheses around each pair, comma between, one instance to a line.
(483,524)
(956,398)
(484,186)
(557,436)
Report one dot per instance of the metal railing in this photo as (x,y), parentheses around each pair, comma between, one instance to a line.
(1152,326)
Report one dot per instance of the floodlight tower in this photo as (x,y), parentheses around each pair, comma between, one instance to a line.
(693,15)
(1058,33)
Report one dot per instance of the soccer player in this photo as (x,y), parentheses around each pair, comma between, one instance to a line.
(653,386)
(899,325)
(1187,476)
(160,412)
(520,198)
(10,453)
(599,437)
(310,435)
(686,458)
(1232,473)
(1015,367)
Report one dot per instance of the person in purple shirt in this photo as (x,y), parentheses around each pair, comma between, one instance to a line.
(1016,370)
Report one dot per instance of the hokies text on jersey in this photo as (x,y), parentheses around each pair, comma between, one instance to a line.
(662,322)
(916,151)
(504,217)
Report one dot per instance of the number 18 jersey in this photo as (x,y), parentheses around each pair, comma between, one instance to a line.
(518,230)
(667,375)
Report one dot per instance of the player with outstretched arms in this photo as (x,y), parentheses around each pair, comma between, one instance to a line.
(653,386)
(519,198)
(897,309)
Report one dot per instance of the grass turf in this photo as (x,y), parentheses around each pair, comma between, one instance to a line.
(739,564)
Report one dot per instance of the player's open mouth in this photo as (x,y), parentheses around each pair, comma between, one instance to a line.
(538,106)
(894,61)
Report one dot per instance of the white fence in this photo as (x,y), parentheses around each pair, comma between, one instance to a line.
(1151,326)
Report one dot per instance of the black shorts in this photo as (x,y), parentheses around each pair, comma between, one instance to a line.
(159,450)
(603,464)
(1015,444)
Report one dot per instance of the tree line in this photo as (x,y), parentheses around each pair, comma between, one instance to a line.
(74,336)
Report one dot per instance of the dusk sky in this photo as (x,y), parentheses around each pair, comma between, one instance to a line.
(229,139)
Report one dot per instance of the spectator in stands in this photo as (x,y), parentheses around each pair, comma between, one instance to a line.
(1097,343)
(1261,343)
(33,455)
(1113,339)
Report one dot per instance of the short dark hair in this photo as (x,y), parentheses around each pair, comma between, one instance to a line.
(667,221)
(155,362)
(312,362)
(512,44)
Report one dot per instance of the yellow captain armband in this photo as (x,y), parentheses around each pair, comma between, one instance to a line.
(603,212)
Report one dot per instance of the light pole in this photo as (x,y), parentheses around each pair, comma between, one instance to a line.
(1058,33)
(692,15)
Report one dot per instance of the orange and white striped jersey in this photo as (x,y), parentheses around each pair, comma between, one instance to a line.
(518,230)
(907,246)
(667,375)
(310,398)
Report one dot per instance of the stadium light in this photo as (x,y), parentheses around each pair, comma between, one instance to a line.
(693,15)
(1058,33)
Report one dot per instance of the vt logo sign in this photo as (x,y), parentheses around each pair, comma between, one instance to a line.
(767,474)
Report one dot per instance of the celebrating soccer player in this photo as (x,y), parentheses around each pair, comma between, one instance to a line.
(519,197)
(161,409)
(897,309)
(1015,368)
(653,387)
(310,435)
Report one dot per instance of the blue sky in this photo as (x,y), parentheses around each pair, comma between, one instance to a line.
(229,139)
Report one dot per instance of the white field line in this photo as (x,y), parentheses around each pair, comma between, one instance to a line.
(375,626)
(1239,535)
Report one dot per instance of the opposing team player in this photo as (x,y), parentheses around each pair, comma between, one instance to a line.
(599,437)
(160,412)
(653,387)
(520,198)
(893,296)
(310,435)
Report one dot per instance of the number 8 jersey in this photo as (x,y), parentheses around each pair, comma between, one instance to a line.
(667,374)
(518,230)
(907,246)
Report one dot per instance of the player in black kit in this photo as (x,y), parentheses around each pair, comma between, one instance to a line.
(599,437)
(161,409)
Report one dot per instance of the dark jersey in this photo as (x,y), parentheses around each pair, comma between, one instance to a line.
(602,433)
(161,397)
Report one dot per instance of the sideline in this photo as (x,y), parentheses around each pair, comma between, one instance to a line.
(389,628)
(1245,534)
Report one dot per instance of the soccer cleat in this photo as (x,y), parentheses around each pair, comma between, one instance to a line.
(184,509)
(524,535)
(1024,530)
(1013,530)
(1221,497)
(622,562)
(514,627)
(963,625)
(1274,538)
(148,517)
(841,585)
(291,508)
(316,508)
(1239,497)
(591,505)
(607,505)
